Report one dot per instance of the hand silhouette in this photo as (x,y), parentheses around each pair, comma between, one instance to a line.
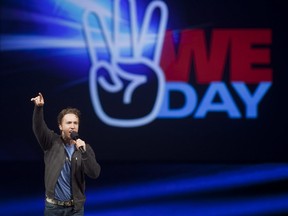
(127,85)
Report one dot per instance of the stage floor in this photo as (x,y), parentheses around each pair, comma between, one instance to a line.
(148,188)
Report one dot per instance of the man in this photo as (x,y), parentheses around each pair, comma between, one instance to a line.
(66,161)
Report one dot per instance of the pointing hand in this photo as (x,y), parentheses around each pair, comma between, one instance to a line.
(38,100)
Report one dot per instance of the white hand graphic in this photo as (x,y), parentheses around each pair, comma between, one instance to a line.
(120,83)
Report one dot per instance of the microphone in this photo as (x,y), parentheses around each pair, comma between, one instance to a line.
(74,135)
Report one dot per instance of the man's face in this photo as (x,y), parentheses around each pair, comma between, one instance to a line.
(70,122)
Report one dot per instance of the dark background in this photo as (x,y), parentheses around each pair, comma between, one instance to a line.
(213,166)
(62,76)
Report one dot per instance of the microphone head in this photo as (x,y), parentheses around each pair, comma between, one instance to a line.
(74,135)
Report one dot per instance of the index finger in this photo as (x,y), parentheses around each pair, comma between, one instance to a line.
(41,96)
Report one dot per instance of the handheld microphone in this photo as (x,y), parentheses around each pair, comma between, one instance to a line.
(74,135)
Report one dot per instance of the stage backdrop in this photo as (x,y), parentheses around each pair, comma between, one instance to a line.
(199,81)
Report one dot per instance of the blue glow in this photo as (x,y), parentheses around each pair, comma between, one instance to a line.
(19,42)
(66,25)
(210,208)
(178,195)
(189,184)
(62,26)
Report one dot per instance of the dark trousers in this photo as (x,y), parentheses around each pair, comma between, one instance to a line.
(56,210)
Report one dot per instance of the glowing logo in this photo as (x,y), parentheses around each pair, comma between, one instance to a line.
(126,70)
(137,65)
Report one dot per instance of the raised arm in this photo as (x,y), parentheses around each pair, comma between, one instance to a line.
(42,132)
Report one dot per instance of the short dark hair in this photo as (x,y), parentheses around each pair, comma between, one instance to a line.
(68,110)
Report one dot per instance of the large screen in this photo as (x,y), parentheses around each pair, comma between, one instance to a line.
(199,81)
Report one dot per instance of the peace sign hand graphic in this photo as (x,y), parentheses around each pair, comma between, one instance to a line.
(126,84)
